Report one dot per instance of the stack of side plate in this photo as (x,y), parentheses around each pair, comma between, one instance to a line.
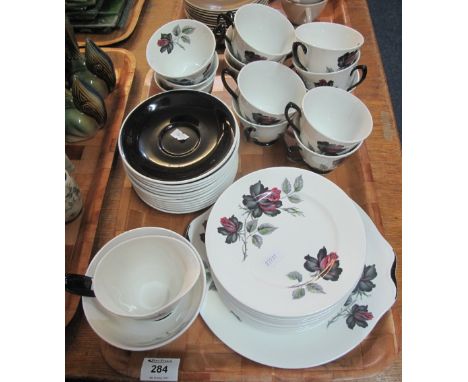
(207,11)
(286,248)
(180,150)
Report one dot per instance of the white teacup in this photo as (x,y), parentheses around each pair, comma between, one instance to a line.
(145,277)
(263,135)
(319,163)
(260,33)
(346,79)
(326,47)
(204,86)
(181,51)
(229,65)
(332,121)
(303,12)
(230,56)
(264,88)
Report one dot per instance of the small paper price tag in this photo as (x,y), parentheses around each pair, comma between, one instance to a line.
(179,135)
(160,369)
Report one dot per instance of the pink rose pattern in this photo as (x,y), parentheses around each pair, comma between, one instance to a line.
(325,266)
(355,313)
(260,201)
(166,42)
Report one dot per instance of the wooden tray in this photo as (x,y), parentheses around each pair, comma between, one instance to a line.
(93,160)
(118,35)
(203,356)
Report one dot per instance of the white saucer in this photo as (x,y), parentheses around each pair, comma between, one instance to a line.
(318,345)
(139,335)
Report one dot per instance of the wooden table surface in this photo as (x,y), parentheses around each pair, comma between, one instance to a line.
(83,357)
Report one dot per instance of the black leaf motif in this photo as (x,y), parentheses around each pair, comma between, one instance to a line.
(365,284)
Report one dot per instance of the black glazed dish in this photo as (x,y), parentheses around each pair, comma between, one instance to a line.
(177,135)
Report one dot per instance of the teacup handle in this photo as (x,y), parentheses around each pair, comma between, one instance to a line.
(393,274)
(79,284)
(292,150)
(248,132)
(288,118)
(363,69)
(224,72)
(228,18)
(221,28)
(220,32)
(292,153)
(297,44)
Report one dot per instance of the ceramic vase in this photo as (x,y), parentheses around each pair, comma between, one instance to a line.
(85,112)
(95,68)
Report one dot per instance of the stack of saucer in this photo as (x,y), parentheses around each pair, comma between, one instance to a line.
(180,150)
(207,11)
(286,247)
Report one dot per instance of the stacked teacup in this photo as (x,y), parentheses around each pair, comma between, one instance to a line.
(253,55)
(264,88)
(182,55)
(258,32)
(327,54)
(332,125)
(248,40)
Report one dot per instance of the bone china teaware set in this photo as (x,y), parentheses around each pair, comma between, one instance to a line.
(180,149)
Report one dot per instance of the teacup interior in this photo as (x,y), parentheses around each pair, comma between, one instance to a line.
(329,36)
(144,274)
(192,48)
(337,114)
(264,29)
(269,86)
(168,85)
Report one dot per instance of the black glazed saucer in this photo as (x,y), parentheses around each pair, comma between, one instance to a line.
(177,135)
